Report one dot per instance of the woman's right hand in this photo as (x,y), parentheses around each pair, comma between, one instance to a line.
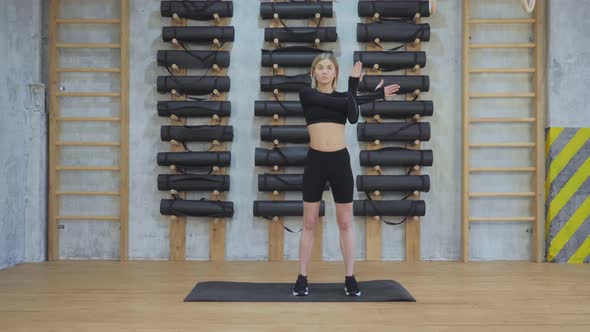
(357,70)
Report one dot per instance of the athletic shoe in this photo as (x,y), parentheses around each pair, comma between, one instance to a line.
(300,288)
(351,288)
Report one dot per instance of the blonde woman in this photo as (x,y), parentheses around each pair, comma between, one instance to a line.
(326,112)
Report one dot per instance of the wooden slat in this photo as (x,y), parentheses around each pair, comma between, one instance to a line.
(88,45)
(502,194)
(502,169)
(88,119)
(502,145)
(63,143)
(516,45)
(503,95)
(478,219)
(88,168)
(87,21)
(54,156)
(106,218)
(502,70)
(502,21)
(124,133)
(87,193)
(88,70)
(540,33)
(504,120)
(465,156)
(88,94)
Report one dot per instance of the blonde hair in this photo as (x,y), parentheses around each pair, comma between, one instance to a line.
(318,58)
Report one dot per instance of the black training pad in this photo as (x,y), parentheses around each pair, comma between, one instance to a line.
(228,291)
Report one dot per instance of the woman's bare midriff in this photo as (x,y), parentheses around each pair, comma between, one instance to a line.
(326,136)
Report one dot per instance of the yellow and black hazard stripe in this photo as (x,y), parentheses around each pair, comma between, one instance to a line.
(567,188)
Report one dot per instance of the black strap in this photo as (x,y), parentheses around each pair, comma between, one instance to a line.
(370,200)
(285,227)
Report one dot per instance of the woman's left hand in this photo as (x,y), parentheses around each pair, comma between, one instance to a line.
(389,90)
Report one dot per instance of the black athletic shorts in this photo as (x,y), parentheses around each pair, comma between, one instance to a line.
(333,166)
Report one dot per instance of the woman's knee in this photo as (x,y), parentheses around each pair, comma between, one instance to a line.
(309,222)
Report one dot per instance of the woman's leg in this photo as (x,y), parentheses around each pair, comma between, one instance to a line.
(311,217)
(344,218)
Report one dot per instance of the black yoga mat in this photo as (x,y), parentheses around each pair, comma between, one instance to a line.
(228,291)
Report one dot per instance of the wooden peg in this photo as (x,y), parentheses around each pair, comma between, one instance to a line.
(377,40)
(377,193)
(416,93)
(376,142)
(275,66)
(377,117)
(216,117)
(215,220)
(174,118)
(275,91)
(416,42)
(174,92)
(316,42)
(175,43)
(416,17)
(176,18)
(216,42)
(416,193)
(276,42)
(216,92)
(377,168)
(275,16)
(215,168)
(215,67)
(317,16)
(276,192)
(275,142)
(376,218)
(173,192)
(275,167)
(216,18)
(215,142)
(215,192)
(275,218)
(376,16)
(417,142)
(174,142)
(376,66)
(175,68)
(172,167)
(172,218)
(416,67)
(275,117)
(416,117)
(416,168)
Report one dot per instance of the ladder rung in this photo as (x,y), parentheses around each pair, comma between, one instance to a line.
(87,168)
(89,119)
(517,45)
(501,218)
(502,145)
(113,218)
(87,193)
(87,21)
(502,169)
(507,194)
(503,95)
(88,45)
(502,21)
(502,70)
(89,70)
(88,94)
(60,143)
(493,120)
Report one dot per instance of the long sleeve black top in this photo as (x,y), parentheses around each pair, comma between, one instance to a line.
(335,107)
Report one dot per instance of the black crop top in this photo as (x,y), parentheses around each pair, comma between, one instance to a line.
(337,106)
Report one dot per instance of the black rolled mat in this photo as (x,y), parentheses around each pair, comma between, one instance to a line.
(228,291)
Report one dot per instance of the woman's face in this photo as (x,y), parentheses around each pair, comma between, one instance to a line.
(325,72)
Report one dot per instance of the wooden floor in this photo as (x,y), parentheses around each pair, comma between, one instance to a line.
(148,296)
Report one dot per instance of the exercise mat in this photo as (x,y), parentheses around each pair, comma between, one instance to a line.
(229,291)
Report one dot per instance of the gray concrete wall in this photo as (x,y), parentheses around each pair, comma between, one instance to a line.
(23,134)
(247,236)
(568,64)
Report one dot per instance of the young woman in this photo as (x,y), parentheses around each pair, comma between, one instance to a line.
(326,111)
